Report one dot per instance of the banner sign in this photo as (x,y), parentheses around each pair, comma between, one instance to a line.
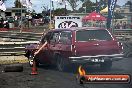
(68,21)
(111,7)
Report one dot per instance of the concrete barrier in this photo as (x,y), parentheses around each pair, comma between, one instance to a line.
(13,59)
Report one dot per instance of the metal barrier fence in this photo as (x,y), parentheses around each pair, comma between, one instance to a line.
(13,43)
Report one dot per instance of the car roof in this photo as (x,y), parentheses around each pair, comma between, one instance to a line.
(78,28)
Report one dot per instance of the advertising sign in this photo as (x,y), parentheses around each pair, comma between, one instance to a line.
(68,21)
(111,7)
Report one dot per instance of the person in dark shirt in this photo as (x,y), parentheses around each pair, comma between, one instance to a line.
(1,22)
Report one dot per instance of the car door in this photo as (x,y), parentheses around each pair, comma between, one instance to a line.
(64,44)
(53,47)
(43,55)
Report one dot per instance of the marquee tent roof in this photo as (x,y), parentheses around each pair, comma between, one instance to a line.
(94,17)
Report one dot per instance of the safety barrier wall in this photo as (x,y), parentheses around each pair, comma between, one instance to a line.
(123,34)
(13,43)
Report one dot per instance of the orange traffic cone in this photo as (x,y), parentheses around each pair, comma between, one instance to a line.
(34,68)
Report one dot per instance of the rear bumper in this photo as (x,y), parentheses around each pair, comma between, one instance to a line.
(96,59)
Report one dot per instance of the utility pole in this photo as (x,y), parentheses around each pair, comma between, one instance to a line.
(85,6)
(50,13)
(65,9)
(21,19)
(96,6)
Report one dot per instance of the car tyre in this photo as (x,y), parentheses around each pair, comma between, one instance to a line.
(13,68)
(106,65)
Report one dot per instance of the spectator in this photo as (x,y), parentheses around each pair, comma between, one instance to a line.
(124,25)
(1,22)
(118,26)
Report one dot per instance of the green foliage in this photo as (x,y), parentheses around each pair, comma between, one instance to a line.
(4,0)
(91,6)
(104,4)
(74,4)
(59,11)
(18,4)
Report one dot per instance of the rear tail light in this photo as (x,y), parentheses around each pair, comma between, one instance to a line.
(120,46)
(41,19)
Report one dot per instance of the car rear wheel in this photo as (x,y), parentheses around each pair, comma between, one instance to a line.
(61,63)
(106,65)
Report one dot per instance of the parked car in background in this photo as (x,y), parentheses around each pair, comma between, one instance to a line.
(10,19)
(79,46)
(37,19)
(46,19)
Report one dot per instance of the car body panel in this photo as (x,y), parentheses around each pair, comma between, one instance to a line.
(79,51)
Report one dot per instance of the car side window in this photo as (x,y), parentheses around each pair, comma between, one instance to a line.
(55,37)
(65,37)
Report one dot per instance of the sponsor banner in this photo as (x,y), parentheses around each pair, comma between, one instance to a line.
(111,7)
(107,78)
(68,21)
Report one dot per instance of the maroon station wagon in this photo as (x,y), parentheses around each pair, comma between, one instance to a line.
(79,46)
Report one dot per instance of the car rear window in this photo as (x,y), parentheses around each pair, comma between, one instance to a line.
(92,35)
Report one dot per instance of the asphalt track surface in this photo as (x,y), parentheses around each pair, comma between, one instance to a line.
(49,77)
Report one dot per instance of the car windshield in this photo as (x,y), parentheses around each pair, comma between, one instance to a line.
(92,35)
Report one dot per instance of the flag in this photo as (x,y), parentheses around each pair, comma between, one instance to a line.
(2,5)
(26,3)
(111,7)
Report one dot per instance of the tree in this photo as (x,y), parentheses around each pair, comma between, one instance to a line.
(59,11)
(102,4)
(18,4)
(4,0)
(74,4)
(90,6)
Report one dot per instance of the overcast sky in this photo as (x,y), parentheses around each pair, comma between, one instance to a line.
(37,4)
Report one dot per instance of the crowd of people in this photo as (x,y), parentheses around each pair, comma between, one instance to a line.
(25,21)
(123,25)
